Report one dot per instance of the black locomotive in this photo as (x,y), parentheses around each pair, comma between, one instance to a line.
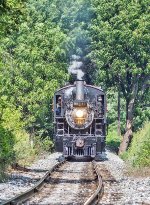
(80,120)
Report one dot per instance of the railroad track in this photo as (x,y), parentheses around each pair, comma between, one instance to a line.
(24,196)
(68,182)
(96,196)
(111,193)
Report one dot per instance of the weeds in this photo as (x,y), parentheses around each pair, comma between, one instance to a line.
(138,154)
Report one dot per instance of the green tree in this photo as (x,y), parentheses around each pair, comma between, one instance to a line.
(120,49)
(33,65)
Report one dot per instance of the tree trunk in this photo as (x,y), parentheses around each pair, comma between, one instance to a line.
(119,126)
(129,118)
(128,132)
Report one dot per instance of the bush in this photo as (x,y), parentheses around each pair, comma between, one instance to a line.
(24,152)
(44,144)
(112,139)
(6,149)
(138,154)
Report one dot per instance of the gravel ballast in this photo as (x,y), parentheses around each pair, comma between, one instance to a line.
(21,181)
(72,183)
(129,190)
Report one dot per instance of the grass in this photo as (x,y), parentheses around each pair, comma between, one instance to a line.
(137,157)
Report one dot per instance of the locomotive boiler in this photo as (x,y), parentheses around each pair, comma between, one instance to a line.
(80,120)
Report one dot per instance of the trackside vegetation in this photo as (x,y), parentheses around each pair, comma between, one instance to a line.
(6,149)
(138,154)
(113,139)
(37,40)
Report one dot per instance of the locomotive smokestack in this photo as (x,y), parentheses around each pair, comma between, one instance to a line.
(80,90)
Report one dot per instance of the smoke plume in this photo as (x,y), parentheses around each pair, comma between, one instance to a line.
(75,67)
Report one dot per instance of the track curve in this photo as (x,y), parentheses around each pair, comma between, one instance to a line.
(68,182)
(72,183)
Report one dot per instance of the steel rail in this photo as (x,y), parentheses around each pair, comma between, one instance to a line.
(27,194)
(95,197)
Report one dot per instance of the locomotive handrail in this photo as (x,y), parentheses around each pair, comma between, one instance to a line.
(27,194)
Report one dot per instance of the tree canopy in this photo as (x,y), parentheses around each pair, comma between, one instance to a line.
(37,41)
(120,49)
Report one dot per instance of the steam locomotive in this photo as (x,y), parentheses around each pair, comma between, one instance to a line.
(80,120)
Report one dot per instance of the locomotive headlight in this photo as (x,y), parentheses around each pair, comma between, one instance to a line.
(79,113)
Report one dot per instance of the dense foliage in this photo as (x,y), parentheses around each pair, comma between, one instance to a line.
(37,41)
(6,149)
(32,66)
(120,48)
(138,154)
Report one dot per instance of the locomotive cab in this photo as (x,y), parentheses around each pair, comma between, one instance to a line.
(80,120)
(58,105)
